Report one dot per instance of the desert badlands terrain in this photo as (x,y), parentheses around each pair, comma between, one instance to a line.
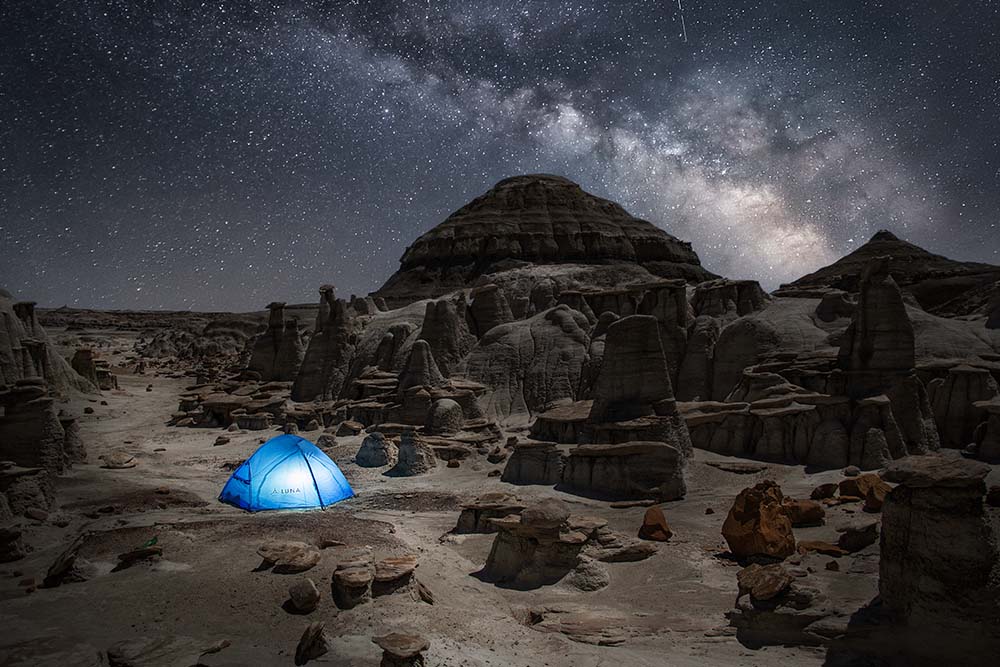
(570,445)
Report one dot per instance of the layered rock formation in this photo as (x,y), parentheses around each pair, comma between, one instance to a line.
(628,470)
(31,432)
(537,219)
(932,279)
(278,351)
(938,571)
(326,362)
(26,352)
(530,363)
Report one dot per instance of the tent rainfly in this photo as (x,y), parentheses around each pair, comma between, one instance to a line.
(285,473)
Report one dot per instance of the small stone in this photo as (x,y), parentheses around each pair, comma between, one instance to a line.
(349,428)
(852,471)
(36,514)
(823,491)
(88,410)
(833,566)
(117,460)
(453,463)
(221,440)
(149,387)
(289,557)
(804,512)
(494,473)
(654,525)
(233,427)
(764,582)
(709,510)
(858,536)
(819,547)
(304,595)
(313,644)
(313,425)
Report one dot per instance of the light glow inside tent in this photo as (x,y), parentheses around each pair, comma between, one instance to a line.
(286,472)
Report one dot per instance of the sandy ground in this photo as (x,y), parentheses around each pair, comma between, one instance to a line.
(207,587)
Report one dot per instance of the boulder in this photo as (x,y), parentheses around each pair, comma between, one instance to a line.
(757,524)
(376,451)
(654,525)
(763,582)
(858,535)
(445,417)
(304,596)
(415,457)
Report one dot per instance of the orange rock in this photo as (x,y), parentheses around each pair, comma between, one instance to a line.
(758,525)
(654,525)
(824,548)
(804,512)
(763,582)
(858,486)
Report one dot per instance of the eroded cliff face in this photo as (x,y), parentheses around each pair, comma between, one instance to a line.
(534,219)
(26,352)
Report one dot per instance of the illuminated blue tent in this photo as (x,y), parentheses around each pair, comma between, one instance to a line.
(286,473)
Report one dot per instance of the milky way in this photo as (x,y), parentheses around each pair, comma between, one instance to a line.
(223,155)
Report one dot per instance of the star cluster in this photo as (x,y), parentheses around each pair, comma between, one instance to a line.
(220,155)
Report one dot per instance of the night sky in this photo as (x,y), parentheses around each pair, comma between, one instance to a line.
(218,156)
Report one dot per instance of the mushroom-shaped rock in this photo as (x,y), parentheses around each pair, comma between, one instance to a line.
(475,516)
(392,574)
(402,650)
(352,580)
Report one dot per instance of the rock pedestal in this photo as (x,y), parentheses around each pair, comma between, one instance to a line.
(626,471)
(939,559)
